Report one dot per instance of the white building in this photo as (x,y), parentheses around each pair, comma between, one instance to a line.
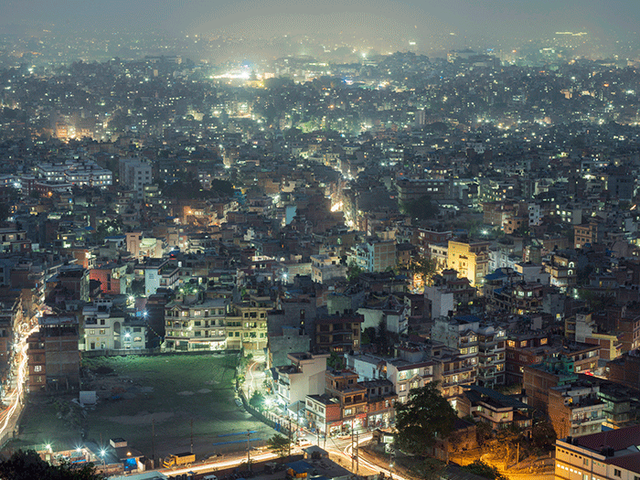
(325,268)
(107,328)
(83,173)
(305,376)
(134,175)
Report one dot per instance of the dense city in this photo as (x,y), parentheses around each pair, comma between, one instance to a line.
(332,263)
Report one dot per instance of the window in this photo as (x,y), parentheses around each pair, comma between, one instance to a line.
(617,473)
(37,368)
(102,331)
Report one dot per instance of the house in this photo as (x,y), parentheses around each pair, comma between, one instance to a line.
(303,377)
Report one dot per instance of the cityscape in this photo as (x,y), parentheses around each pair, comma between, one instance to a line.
(307,241)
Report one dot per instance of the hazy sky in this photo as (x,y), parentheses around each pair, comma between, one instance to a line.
(490,18)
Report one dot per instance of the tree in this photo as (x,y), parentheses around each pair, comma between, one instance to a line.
(335,361)
(543,435)
(353,272)
(257,400)
(425,268)
(382,338)
(421,208)
(483,469)
(279,444)
(426,416)
(27,465)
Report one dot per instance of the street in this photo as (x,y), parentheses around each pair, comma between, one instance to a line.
(15,399)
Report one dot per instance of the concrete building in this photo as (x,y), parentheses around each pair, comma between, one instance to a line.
(470,259)
(194,323)
(611,455)
(374,255)
(576,409)
(327,268)
(338,333)
(134,175)
(53,355)
(305,375)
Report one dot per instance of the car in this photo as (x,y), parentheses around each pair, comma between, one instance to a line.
(301,442)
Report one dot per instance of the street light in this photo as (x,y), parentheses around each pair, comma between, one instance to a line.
(102,454)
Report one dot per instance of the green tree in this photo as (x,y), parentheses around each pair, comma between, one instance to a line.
(257,400)
(484,470)
(27,465)
(279,444)
(335,361)
(426,416)
(5,211)
(543,435)
(353,272)
(422,208)
(382,338)
(425,268)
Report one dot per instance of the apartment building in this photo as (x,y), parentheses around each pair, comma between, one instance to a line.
(611,455)
(195,323)
(469,259)
(338,333)
(305,375)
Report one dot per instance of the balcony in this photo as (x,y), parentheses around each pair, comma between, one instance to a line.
(588,420)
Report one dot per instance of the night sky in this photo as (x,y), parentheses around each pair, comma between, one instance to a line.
(497,19)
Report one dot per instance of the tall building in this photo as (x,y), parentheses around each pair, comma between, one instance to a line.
(470,259)
(374,255)
(134,175)
(54,358)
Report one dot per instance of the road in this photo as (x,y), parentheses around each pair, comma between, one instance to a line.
(10,415)
(213,466)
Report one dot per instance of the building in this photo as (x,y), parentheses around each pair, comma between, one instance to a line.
(406,375)
(352,397)
(160,274)
(411,189)
(576,409)
(539,379)
(107,327)
(134,175)
(587,234)
(469,259)
(611,455)
(374,255)
(195,323)
(304,376)
(82,173)
(53,355)
(338,333)
(325,268)
(247,324)
(498,410)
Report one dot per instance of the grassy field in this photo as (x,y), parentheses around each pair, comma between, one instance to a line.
(176,394)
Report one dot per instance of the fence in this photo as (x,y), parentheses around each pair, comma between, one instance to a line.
(147,352)
(266,417)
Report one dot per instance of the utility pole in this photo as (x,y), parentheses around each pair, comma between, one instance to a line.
(518,455)
(192,435)
(357,450)
(153,438)
(289,435)
(352,451)
(249,449)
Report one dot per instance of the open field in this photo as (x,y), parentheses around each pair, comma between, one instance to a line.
(140,394)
